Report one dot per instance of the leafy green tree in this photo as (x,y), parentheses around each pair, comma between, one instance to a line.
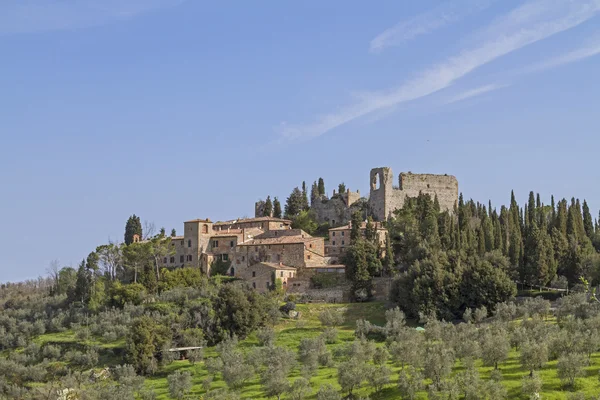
(342,188)
(180,384)
(534,355)
(233,366)
(331,318)
(145,339)
(299,390)
(495,347)
(351,374)
(132,227)
(410,381)
(362,263)
(305,220)
(268,208)
(328,392)
(173,232)
(570,367)
(438,363)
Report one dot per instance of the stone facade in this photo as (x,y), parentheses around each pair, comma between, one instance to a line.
(262,275)
(385,197)
(338,209)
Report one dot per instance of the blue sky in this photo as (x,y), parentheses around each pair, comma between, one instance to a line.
(174,110)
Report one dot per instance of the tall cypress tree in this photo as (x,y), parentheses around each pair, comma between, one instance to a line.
(294,203)
(276,208)
(561,217)
(314,193)
(356,222)
(132,227)
(321,187)
(588,223)
(268,208)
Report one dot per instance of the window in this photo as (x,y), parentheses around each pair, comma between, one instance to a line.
(182,242)
(281,225)
(254,274)
(189,243)
(231,244)
(254,285)
(180,258)
(333,242)
(232,271)
(278,257)
(310,245)
(343,243)
(204,228)
(225,257)
(342,233)
(172,260)
(281,274)
(189,258)
(308,256)
(243,258)
(165,260)
(256,249)
(332,233)
(215,243)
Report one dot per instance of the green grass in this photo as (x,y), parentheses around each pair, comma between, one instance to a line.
(289,333)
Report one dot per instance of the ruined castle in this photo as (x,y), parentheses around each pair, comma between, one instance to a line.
(385,196)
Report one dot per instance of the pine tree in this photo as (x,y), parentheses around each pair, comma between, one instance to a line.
(276,208)
(294,203)
(588,223)
(268,207)
(321,187)
(132,227)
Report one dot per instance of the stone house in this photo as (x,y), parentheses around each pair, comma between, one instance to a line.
(262,275)
(339,238)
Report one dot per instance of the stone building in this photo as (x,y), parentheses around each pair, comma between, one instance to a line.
(384,196)
(262,275)
(339,239)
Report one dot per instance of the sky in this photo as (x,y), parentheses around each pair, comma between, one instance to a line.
(174,110)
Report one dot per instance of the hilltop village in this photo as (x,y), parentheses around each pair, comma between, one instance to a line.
(267,250)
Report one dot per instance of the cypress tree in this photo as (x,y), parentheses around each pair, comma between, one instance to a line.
(305,205)
(268,208)
(356,222)
(276,208)
(321,187)
(132,227)
(370,231)
(561,217)
(342,188)
(389,263)
(481,241)
(173,232)
(314,193)
(588,223)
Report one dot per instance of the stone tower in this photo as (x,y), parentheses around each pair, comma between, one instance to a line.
(382,186)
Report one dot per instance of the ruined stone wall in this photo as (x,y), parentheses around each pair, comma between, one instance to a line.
(444,186)
(385,197)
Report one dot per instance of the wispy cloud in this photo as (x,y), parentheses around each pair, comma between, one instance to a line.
(527,24)
(475,92)
(29,16)
(427,22)
(589,50)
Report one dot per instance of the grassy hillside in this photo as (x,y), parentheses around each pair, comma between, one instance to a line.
(289,333)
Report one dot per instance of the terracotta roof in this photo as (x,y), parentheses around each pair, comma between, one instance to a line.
(279,240)
(276,266)
(334,266)
(200,220)
(363,225)
(176,237)
(230,232)
(248,220)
